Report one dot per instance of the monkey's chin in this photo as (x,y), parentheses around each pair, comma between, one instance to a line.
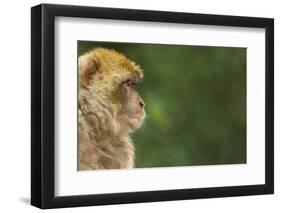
(134,123)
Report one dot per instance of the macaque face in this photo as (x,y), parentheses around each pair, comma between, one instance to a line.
(132,106)
(111,77)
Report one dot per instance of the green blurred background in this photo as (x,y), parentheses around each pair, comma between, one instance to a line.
(195,103)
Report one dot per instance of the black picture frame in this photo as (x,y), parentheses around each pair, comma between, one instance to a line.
(43,102)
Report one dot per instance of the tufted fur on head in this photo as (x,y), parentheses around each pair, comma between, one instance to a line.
(109,109)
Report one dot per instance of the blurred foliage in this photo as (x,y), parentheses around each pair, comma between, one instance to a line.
(195,103)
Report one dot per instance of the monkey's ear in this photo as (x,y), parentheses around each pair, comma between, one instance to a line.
(88,66)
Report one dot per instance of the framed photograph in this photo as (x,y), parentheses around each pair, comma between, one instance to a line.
(139,106)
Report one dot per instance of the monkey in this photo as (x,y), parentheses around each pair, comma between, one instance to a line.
(109,109)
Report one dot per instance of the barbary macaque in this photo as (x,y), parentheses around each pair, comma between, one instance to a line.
(109,109)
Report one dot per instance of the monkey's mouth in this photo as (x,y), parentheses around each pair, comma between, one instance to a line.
(135,122)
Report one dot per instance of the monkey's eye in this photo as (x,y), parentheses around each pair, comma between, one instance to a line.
(132,83)
(129,83)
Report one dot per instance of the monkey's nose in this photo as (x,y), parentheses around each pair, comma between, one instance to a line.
(141,103)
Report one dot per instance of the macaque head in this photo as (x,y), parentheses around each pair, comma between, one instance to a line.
(111,78)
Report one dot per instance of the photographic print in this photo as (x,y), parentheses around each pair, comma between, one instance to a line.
(134,106)
(159,105)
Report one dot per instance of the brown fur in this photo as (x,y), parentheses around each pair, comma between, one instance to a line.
(109,109)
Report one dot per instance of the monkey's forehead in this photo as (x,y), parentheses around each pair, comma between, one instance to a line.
(112,60)
(130,66)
